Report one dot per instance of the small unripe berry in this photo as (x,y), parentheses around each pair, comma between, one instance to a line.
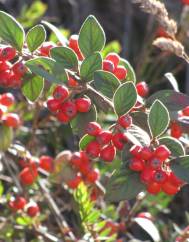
(142,89)
(162,152)
(33,210)
(93,128)
(104,137)
(93,149)
(108,153)
(136,164)
(53,104)
(125,121)
(7,99)
(69,108)
(60,93)
(120,72)
(83,105)
(11,120)
(113,57)
(7,53)
(46,163)
(108,65)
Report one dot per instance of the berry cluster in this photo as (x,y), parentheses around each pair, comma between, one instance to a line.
(106,142)
(7,118)
(111,64)
(64,107)
(154,169)
(10,74)
(20,203)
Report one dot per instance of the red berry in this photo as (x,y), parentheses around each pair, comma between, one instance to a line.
(120,72)
(108,153)
(108,65)
(72,82)
(76,159)
(74,183)
(136,164)
(53,104)
(19,68)
(19,203)
(153,187)
(147,175)
(62,117)
(125,121)
(160,176)
(14,81)
(11,120)
(169,188)
(93,128)
(83,105)
(175,180)
(135,150)
(185,2)
(176,130)
(145,153)
(162,152)
(7,53)
(60,93)
(73,44)
(5,78)
(185,111)
(7,99)
(5,65)
(33,210)
(46,163)
(104,137)
(93,176)
(119,140)
(113,57)
(93,149)
(69,109)
(145,215)
(155,163)
(28,175)
(142,89)
(46,47)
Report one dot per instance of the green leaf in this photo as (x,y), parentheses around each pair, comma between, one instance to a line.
(158,118)
(57,32)
(33,87)
(174,145)
(85,140)
(180,166)
(125,98)
(89,66)
(47,68)
(130,71)
(79,123)
(11,31)
(106,83)
(141,120)
(91,36)
(1,188)
(6,134)
(24,221)
(121,184)
(65,56)
(35,37)
(174,101)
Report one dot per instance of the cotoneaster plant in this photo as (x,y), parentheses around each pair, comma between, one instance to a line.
(77,85)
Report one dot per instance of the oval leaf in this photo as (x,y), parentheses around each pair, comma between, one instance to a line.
(130,71)
(91,36)
(85,140)
(11,31)
(89,66)
(121,184)
(35,37)
(125,98)
(180,167)
(158,119)
(33,87)
(174,145)
(174,101)
(65,56)
(106,83)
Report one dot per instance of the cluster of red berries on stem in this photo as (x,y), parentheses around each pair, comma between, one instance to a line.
(154,169)
(66,108)
(8,118)
(10,74)
(20,203)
